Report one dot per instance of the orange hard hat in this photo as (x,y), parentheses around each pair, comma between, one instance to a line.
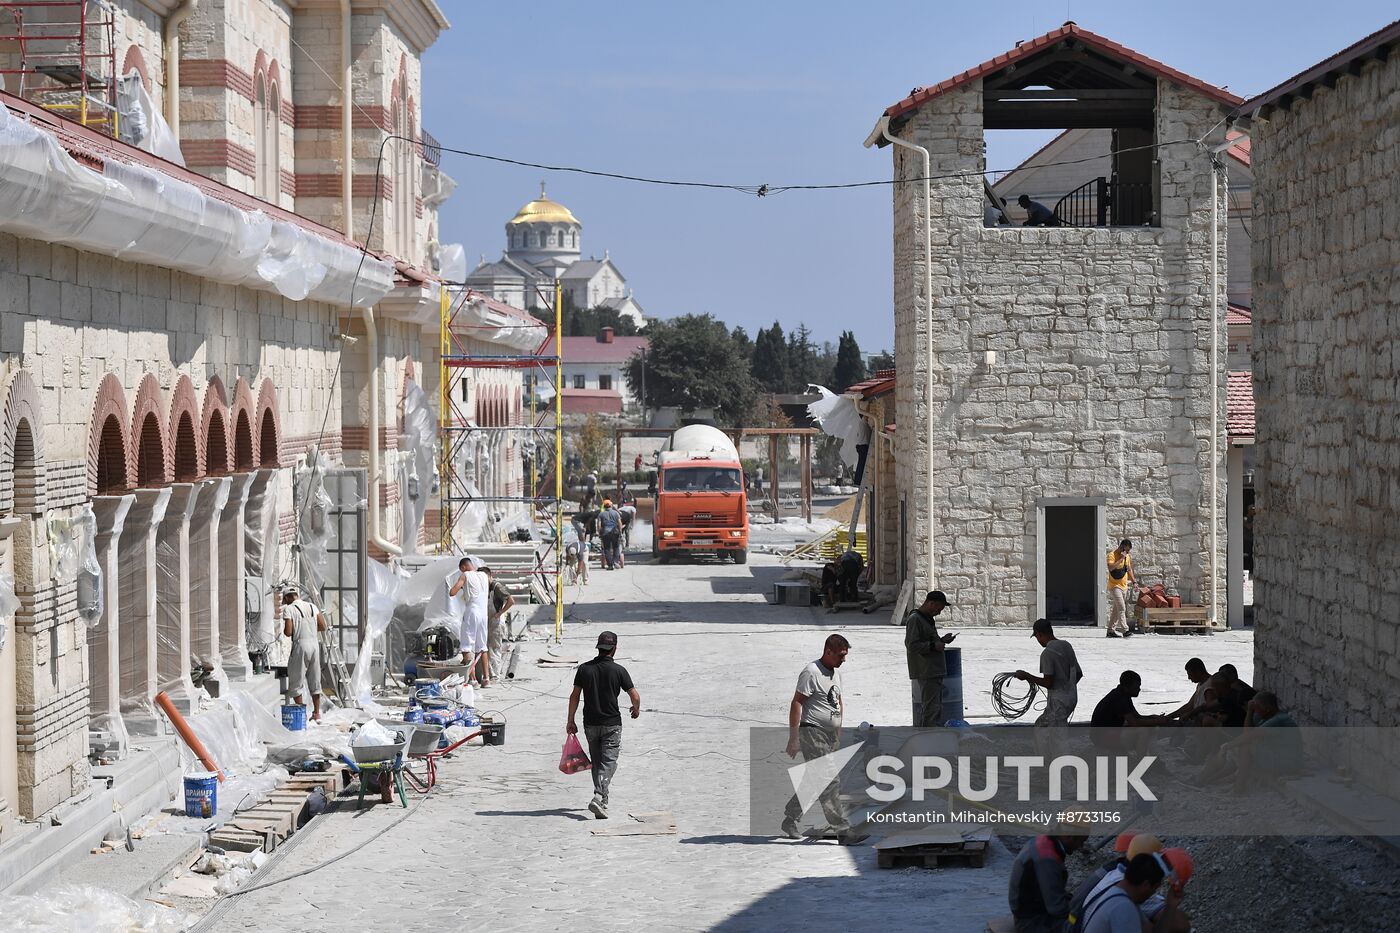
(1143,844)
(1120,845)
(1182,866)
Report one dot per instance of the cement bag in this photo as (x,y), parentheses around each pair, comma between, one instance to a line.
(574,759)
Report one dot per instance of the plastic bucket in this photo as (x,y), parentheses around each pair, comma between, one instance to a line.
(493,733)
(294,717)
(427,687)
(201,795)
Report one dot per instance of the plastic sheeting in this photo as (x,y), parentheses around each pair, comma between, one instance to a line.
(136,213)
(174,679)
(142,123)
(493,325)
(452,262)
(418,471)
(838,417)
(9,603)
(261,546)
(314,518)
(84,909)
(383,589)
(73,542)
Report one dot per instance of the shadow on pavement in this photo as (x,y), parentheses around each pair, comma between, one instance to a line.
(558,811)
(734,839)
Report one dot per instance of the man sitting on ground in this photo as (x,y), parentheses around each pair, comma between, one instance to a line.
(1190,711)
(1271,747)
(1116,711)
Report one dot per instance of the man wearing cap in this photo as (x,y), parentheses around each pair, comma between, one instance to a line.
(302,623)
(599,682)
(923,650)
(1059,675)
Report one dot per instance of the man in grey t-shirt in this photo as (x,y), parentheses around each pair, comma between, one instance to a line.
(814,729)
(1059,675)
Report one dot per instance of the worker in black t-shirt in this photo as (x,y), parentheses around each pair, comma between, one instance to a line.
(1115,711)
(599,682)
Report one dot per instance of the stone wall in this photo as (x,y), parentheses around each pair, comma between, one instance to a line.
(1102,378)
(1327,394)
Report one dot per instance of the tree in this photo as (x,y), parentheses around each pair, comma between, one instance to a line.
(882,360)
(850,365)
(692,363)
(804,365)
(770,359)
(593,443)
(742,341)
(588,322)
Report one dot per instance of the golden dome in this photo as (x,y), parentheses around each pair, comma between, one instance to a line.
(543,210)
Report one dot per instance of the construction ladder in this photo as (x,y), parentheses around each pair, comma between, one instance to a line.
(334,660)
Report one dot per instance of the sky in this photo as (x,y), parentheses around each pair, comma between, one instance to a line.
(771,92)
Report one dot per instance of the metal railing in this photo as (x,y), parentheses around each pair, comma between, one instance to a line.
(1104,203)
(432,149)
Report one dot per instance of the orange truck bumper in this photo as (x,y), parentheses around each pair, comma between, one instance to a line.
(701,539)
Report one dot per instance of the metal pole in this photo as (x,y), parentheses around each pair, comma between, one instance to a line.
(558,464)
(617,466)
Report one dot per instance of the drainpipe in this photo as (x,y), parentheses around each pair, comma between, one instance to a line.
(172,63)
(375,477)
(347,131)
(1217,166)
(882,131)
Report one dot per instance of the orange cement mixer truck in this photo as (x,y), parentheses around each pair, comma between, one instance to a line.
(701,507)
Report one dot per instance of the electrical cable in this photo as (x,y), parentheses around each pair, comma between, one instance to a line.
(1012,707)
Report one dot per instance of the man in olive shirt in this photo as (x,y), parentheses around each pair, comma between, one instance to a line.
(923,649)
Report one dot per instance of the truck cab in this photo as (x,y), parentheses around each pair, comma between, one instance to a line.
(701,506)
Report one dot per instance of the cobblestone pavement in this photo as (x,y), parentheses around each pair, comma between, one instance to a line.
(504,842)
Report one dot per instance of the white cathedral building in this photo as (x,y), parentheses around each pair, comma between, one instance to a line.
(542,244)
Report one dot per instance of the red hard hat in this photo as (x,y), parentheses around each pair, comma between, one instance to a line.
(1180,861)
(1120,845)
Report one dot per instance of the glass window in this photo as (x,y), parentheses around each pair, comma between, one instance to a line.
(605,382)
(700,479)
(578,382)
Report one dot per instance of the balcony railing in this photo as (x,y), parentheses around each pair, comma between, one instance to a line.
(1104,203)
(432,149)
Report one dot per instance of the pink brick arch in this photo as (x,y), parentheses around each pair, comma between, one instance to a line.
(186,438)
(243,419)
(214,430)
(152,456)
(111,468)
(22,441)
(269,426)
(134,59)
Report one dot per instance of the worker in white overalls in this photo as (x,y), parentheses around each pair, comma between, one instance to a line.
(302,623)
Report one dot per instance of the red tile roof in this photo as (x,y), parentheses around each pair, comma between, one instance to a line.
(1301,84)
(592,401)
(878,384)
(1054,37)
(1240,150)
(1238,314)
(1239,403)
(593,350)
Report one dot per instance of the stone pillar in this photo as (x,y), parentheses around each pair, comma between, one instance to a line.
(233,640)
(138,618)
(1234,537)
(211,495)
(9,696)
(173,630)
(257,561)
(104,673)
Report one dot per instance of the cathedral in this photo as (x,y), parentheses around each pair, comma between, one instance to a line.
(542,244)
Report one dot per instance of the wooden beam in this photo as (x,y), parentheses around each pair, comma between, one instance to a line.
(1138,93)
(1065,115)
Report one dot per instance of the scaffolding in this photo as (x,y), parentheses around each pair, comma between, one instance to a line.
(541,434)
(64,54)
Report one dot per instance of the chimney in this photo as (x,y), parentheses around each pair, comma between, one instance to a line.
(606,335)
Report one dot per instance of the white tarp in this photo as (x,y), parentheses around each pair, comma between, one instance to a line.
(139,214)
(838,417)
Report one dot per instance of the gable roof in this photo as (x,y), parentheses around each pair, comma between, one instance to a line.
(1239,403)
(593,350)
(494,270)
(1377,45)
(1065,33)
(1238,314)
(587,268)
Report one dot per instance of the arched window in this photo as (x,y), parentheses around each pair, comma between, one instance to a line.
(404,160)
(266,141)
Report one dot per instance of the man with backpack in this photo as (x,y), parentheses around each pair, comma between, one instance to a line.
(610,530)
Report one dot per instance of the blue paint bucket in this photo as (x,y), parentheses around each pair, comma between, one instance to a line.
(427,687)
(294,717)
(201,795)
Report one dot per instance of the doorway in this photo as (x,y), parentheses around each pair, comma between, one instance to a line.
(1070,532)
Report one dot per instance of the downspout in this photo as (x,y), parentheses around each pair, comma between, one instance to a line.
(347,127)
(172,63)
(882,130)
(375,478)
(1215,168)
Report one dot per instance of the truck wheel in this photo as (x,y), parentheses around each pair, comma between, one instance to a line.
(740,556)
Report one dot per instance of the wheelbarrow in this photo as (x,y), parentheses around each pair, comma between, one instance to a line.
(386,762)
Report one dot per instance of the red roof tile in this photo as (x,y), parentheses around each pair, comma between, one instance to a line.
(593,350)
(592,401)
(1238,314)
(1301,84)
(878,384)
(1240,151)
(1065,32)
(1239,403)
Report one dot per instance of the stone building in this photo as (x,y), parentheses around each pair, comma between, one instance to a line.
(1070,378)
(173,341)
(1327,390)
(543,243)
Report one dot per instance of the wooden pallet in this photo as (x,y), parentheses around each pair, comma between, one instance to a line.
(1182,628)
(970,852)
(1175,621)
(268,824)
